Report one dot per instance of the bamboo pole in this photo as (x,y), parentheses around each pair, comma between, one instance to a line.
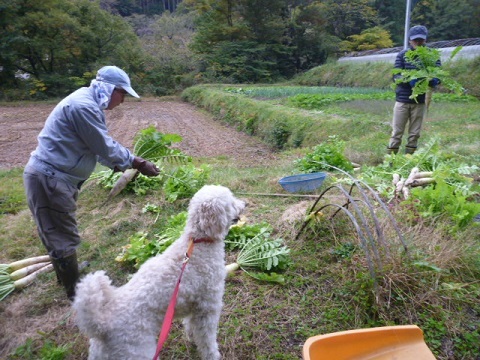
(284,195)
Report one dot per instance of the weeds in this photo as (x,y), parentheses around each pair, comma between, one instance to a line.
(48,351)
(323,156)
(12,193)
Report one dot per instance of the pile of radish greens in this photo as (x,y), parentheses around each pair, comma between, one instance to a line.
(257,253)
(452,195)
(179,178)
(425,60)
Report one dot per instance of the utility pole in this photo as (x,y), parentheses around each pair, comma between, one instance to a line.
(407,23)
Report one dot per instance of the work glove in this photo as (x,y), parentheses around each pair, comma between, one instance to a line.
(413,82)
(145,167)
(434,82)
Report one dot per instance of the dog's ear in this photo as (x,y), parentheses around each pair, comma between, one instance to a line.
(212,218)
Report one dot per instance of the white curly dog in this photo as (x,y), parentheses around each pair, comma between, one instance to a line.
(124,322)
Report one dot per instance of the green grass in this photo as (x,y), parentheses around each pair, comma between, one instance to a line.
(328,287)
(12,198)
(364,122)
(287,91)
(379,75)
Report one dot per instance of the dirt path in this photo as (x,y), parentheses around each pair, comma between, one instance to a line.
(202,136)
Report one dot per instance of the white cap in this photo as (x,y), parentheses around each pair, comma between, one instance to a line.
(116,76)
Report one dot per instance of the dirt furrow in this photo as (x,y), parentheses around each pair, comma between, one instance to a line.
(202,136)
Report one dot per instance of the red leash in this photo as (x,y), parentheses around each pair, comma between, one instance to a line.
(167,321)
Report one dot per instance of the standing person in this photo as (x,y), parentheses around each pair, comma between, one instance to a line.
(406,110)
(73,139)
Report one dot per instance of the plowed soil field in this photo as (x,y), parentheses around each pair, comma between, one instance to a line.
(202,136)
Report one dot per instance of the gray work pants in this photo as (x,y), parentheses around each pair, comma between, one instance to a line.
(403,114)
(53,203)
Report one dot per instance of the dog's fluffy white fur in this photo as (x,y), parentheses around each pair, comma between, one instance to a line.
(124,322)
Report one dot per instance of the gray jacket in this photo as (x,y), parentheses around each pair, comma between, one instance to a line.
(74,138)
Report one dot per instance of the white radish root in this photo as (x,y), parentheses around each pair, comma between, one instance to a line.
(410,178)
(27,280)
(20,273)
(232,267)
(423,174)
(122,182)
(422,182)
(415,178)
(399,186)
(8,268)
(10,286)
(396,179)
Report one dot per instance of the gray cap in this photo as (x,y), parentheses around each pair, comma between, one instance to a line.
(116,76)
(418,32)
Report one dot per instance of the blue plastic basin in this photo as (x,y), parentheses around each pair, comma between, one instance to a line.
(302,182)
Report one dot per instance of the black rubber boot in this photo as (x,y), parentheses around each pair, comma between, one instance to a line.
(83,265)
(410,150)
(67,273)
(57,269)
(392,150)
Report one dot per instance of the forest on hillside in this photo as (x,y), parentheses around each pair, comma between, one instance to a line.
(51,47)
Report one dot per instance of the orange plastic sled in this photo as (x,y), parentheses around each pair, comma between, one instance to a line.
(403,342)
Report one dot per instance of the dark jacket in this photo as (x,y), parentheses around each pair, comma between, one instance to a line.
(404,90)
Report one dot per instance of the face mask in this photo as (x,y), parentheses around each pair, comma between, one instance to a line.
(103,92)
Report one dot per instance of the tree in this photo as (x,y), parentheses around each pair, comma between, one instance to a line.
(243,40)
(444,21)
(56,41)
(167,42)
(369,39)
(311,42)
(349,17)
(391,14)
(7,36)
(447,22)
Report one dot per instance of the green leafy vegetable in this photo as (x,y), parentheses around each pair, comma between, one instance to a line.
(319,101)
(262,253)
(442,200)
(153,145)
(451,197)
(425,60)
(453,169)
(140,248)
(140,186)
(327,153)
(239,235)
(185,181)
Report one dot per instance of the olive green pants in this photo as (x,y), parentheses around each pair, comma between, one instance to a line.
(53,205)
(403,114)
